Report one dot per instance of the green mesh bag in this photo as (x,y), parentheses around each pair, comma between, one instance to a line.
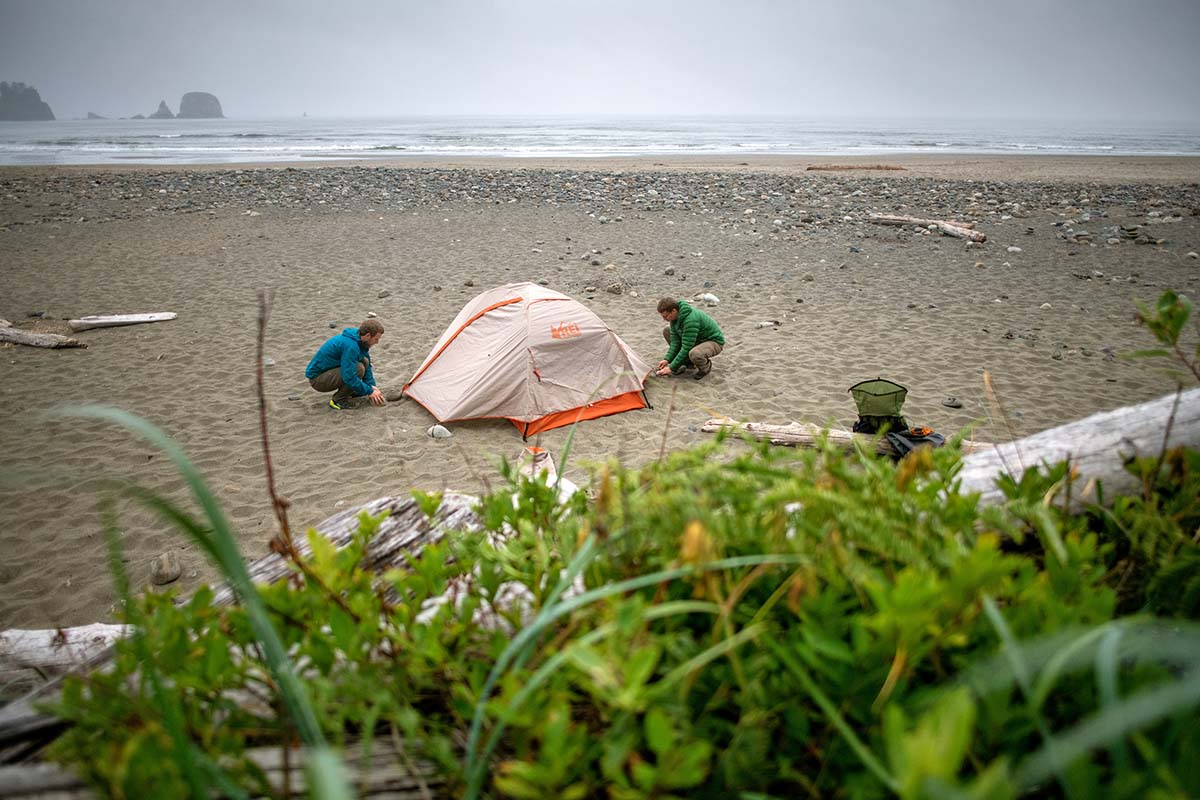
(880,403)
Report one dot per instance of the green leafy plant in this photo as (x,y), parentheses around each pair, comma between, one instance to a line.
(1167,321)
(763,623)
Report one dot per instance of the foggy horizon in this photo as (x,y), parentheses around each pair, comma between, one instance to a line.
(1096,63)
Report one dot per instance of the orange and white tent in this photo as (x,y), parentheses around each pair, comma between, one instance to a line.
(531,355)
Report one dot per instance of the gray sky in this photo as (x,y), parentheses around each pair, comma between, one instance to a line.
(1072,59)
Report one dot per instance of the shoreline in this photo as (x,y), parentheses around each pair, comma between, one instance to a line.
(1106,169)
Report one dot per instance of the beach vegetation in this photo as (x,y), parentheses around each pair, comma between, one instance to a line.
(732,620)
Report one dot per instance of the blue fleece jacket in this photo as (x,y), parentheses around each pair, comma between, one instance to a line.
(345,351)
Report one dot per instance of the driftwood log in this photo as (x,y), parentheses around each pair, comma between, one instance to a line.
(117,320)
(21,336)
(962,230)
(799,434)
(25,655)
(1098,446)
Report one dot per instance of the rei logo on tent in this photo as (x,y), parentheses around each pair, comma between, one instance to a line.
(565,330)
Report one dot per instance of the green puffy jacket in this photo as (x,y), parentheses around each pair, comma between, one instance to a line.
(689,329)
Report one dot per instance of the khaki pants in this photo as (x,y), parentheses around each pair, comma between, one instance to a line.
(331,381)
(701,355)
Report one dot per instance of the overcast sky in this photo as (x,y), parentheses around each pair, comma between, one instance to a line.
(1075,59)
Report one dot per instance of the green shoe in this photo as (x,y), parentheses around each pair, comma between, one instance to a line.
(333,403)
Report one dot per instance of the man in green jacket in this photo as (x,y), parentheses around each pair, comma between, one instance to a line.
(692,337)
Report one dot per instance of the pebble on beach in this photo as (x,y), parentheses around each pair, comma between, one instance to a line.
(166,569)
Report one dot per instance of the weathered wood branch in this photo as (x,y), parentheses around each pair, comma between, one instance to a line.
(799,434)
(117,320)
(51,340)
(962,230)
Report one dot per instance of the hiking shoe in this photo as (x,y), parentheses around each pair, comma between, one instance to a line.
(334,404)
(700,373)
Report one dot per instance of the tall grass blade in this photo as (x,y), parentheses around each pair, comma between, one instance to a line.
(167,706)
(1111,724)
(219,543)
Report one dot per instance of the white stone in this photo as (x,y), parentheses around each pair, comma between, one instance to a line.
(1046,305)
(1014,249)
(438,432)
(1193,255)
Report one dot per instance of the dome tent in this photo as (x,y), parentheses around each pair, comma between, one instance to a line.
(531,355)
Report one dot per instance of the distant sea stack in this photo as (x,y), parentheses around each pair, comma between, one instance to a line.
(200,105)
(94,115)
(163,112)
(22,103)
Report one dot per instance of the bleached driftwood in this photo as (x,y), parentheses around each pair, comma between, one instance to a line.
(405,532)
(1097,447)
(22,336)
(799,434)
(56,650)
(117,320)
(962,230)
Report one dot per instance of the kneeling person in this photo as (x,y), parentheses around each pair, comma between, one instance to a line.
(692,337)
(343,365)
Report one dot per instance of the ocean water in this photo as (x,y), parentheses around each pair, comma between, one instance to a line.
(310,139)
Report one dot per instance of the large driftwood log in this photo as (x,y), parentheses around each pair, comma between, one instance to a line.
(405,532)
(962,230)
(1097,447)
(31,339)
(799,434)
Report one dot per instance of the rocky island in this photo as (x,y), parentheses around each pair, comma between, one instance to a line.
(19,102)
(200,105)
(163,112)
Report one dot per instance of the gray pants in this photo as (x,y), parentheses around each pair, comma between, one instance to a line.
(331,381)
(701,355)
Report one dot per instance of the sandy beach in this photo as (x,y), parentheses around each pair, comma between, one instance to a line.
(1046,306)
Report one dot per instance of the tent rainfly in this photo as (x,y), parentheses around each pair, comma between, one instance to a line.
(531,355)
